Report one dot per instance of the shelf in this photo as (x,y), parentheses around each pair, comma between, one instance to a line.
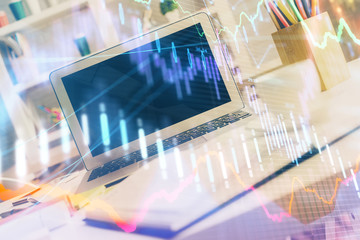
(44,17)
(21,87)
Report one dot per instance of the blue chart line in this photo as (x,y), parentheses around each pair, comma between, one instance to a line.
(189,58)
(174,51)
(203,59)
(157,40)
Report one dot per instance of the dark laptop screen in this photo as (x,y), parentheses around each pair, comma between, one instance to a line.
(146,89)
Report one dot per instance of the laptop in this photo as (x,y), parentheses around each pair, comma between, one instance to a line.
(128,104)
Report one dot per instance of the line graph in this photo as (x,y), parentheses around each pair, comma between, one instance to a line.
(131,226)
(328,35)
(172,196)
(341,27)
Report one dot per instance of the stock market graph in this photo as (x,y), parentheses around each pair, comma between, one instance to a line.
(222,119)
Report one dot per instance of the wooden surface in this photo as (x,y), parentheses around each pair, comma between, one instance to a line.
(306,41)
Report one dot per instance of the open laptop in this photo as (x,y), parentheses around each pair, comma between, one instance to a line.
(128,103)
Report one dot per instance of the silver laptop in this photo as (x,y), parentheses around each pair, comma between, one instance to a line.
(128,103)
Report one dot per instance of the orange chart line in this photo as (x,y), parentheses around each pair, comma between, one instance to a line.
(337,184)
(130,226)
(170,197)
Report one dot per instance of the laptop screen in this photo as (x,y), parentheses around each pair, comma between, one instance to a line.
(149,88)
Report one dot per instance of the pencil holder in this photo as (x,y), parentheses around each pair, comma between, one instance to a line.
(310,39)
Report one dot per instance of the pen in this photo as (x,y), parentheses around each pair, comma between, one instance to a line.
(24,200)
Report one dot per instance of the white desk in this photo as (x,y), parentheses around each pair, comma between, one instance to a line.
(146,181)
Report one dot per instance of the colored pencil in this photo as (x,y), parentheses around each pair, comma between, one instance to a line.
(301,8)
(284,15)
(278,14)
(278,20)
(272,16)
(275,20)
(308,2)
(295,10)
(306,8)
(313,8)
(318,7)
(286,12)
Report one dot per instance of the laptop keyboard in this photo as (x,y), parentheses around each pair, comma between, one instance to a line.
(168,143)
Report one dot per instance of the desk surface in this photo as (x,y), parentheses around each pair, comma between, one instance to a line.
(309,192)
